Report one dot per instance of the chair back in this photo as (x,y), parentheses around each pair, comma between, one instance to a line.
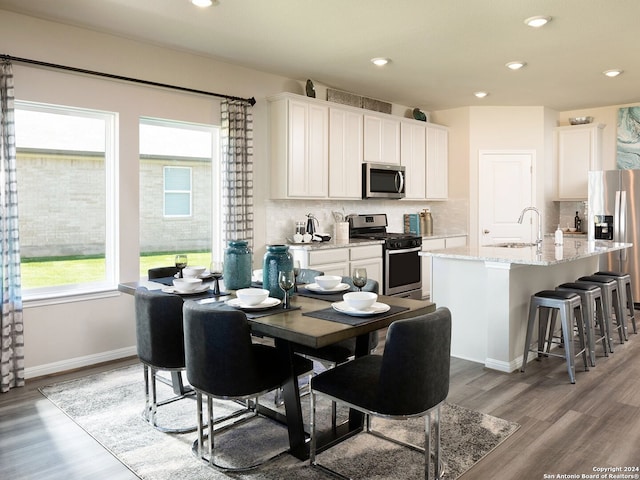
(162,272)
(159,334)
(308,275)
(218,350)
(414,376)
(370,286)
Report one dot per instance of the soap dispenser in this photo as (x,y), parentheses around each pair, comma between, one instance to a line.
(559,239)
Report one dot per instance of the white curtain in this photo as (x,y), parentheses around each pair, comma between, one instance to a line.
(12,346)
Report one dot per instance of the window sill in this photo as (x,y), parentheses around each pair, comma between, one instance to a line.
(76,294)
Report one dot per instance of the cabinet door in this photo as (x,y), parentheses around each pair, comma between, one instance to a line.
(413,157)
(374,269)
(437,163)
(308,150)
(345,153)
(381,140)
(579,149)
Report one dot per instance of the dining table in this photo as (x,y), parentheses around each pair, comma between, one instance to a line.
(311,321)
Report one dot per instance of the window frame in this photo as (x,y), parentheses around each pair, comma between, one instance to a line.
(166,191)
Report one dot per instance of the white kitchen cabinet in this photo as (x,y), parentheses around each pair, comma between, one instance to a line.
(437,182)
(578,150)
(381,139)
(345,153)
(413,157)
(436,244)
(299,132)
(369,257)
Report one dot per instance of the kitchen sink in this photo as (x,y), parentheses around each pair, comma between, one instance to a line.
(514,245)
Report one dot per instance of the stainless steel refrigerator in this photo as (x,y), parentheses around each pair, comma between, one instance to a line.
(614,214)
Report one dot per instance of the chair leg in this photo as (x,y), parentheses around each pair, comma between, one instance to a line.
(312,446)
(427,446)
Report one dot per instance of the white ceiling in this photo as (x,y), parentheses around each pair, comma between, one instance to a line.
(441,50)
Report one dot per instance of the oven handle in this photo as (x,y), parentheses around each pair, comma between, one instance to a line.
(404,250)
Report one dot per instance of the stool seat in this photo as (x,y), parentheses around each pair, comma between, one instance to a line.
(555,294)
(597,278)
(579,286)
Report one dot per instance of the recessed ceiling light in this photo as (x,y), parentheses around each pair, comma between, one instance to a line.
(204,3)
(380,61)
(481,94)
(537,21)
(515,65)
(612,73)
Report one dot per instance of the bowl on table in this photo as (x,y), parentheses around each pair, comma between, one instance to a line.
(327,282)
(193,272)
(360,300)
(252,296)
(187,284)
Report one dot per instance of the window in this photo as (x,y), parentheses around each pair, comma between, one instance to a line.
(66,188)
(179,193)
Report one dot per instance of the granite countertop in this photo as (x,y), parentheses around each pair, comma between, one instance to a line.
(550,254)
(352,242)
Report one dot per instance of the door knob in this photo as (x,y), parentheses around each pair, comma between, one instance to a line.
(485,231)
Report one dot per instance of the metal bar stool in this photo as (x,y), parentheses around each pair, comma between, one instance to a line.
(593,312)
(611,303)
(569,305)
(624,286)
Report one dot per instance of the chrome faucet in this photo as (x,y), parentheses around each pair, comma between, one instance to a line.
(534,209)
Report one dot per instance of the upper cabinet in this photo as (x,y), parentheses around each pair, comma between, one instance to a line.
(299,134)
(578,150)
(424,153)
(381,139)
(345,153)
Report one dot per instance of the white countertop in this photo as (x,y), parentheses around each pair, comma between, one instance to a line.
(352,242)
(550,254)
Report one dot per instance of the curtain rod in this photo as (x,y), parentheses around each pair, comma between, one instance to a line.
(251,101)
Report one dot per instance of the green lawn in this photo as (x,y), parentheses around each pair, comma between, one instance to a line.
(69,271)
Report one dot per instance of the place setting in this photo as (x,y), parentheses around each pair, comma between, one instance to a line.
(256,302)
(325,287)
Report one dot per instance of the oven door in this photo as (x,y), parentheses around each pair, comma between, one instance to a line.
(402,272)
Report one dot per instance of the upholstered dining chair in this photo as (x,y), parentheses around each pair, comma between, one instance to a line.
(410,379)
(162,272)
(223,363)
(160,346)
(308,275)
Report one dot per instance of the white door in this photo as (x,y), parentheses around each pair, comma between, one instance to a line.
(505,189)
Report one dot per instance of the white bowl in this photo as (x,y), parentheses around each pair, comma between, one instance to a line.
(187,284)
(327,282)
(360,300)
(193,272)
(572,229)
(252,296)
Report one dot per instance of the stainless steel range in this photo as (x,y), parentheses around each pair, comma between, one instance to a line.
(401,270)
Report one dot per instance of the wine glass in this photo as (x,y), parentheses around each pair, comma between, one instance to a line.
(296,272)
(216,269)
(181,262)
(286,280)
(359,278)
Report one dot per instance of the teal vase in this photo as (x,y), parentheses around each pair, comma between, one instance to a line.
(237,265)
(276,259)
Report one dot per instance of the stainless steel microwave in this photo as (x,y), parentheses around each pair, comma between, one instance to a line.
(381,180)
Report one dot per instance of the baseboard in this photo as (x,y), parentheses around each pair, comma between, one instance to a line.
(78,362)
(501,366)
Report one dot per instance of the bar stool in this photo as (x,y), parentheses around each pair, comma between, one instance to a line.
(569,305)
(593,313)
(624,286)
(610,302)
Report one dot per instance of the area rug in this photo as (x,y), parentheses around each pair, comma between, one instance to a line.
(108,407)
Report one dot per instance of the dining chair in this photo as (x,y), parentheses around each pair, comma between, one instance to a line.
(160,347)
(223,363)
(410,379)
(162,272)
(308,275)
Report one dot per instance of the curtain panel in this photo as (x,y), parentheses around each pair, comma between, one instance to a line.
(12,341)
(237,171)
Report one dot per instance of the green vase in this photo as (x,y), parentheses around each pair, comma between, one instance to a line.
(276,258)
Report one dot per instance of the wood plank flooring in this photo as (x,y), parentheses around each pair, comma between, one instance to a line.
(565,429)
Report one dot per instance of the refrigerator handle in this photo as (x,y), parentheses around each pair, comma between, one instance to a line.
(621,217)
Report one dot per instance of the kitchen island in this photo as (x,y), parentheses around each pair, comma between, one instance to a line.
(488,290)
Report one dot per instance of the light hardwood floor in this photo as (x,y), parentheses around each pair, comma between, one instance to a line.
(565,429)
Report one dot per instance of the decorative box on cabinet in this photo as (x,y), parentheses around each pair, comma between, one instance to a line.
(578,150)
(381,139)
(299,133)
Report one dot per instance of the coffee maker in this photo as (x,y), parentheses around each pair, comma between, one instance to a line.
(604,227)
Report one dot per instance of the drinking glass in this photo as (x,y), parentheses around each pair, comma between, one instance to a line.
(181,262)
(359,278)
(296,272)
(286,280)
(217,267)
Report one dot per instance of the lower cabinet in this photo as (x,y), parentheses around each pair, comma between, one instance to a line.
(436,244)
(342,260)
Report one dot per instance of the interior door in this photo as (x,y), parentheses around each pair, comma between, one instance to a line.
(505,189)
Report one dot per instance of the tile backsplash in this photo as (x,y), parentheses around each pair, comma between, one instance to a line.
(568,212)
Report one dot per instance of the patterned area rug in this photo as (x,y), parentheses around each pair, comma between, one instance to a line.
(108,406)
